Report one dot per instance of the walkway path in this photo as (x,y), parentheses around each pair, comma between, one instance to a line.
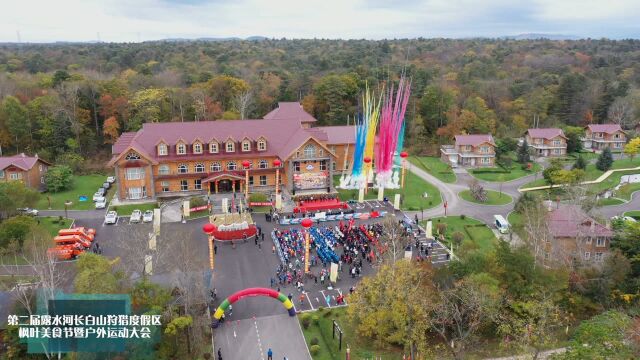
(596,181)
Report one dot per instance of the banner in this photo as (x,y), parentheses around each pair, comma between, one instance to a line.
(311,180)
(199,208)
(260,204)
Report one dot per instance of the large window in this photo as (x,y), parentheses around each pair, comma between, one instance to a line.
(1,174)
(323,165)
(215,167)
(556,142)
(181,149)
(132,156)
(485,160)
(309,151)
(296,166)
(231,166)
(184,185)
(213,147)
(163,150)
(136,193)
(263,180)
(15,176)
(199,168)
(165,186)
(183,169)
(600,241)
(134,173)
(163,170)
(262,145)
(262,164)
(599,256)
(246,145)
(230,146)
(197,184)
(197,148)
(484,149)
(250,180)
(587,255)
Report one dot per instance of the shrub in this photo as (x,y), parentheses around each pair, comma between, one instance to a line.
(315,319)
(15,229)
(315,349)
(58,178)
(463,216)
(314,341)
(197,201)
(306,321)
(327,313)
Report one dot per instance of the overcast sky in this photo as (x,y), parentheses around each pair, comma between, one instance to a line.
(139,20)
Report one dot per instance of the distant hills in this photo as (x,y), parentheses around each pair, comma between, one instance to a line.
(535,36)
(250,38)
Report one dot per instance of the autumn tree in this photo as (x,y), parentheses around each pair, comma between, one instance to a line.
(632,148)
(111,130)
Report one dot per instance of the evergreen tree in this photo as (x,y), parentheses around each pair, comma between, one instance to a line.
(580,163)
(523,153)
(605,160)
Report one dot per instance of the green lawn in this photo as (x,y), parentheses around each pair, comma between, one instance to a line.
(498,174)
(609,202)
(493,198)
(477,234)
(52,225)
(261,209)
(85,185)
(361,347)
(125,210)
(435,167)
(414,187)
(627,190)
(516,222)
(634,214)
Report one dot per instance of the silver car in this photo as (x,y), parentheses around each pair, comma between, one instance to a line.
(148,216)
(136,216)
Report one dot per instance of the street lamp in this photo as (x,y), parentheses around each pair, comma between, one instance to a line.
(403,155)
(277,164)
(306,223)
(245,165)
(66,205)
(209,229)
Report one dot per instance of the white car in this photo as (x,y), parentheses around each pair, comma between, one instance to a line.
(98,195)
(111,218)
(111,179)
(148,216)
(101,203)
(29,211)
(136,216)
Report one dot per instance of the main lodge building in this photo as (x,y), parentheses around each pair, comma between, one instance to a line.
(187,158)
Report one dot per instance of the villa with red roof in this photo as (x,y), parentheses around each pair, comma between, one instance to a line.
(470,151)
(546,142)
(187,158)
(29,170)
(575,236)
(600,136)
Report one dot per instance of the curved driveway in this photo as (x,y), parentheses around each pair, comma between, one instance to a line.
(457,206)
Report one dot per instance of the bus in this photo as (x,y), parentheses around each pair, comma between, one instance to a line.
(72,239)
(68,250)
(87,233)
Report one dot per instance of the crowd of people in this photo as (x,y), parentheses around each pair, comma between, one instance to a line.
(346,244)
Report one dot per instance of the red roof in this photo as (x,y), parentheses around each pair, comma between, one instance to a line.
(548,133)
(571,221)
(282,136)
(339,134)
(474,140)
(290,111)
(21,161)
(604,128)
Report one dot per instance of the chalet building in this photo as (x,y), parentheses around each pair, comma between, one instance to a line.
(575,236)
(470,151)
(546,142)
(186,158)
(600,136)
(29,170)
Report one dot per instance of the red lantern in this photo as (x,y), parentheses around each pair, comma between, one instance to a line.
(404,154)
(277,163)
(306,223)
(367,159)
(246,164)
(208,228)
(375,214)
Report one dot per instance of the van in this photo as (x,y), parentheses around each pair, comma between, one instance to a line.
(501,224)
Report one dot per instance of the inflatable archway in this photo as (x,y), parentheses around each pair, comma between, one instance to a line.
(250,292)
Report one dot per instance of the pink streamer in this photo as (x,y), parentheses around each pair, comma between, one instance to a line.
(391,120)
